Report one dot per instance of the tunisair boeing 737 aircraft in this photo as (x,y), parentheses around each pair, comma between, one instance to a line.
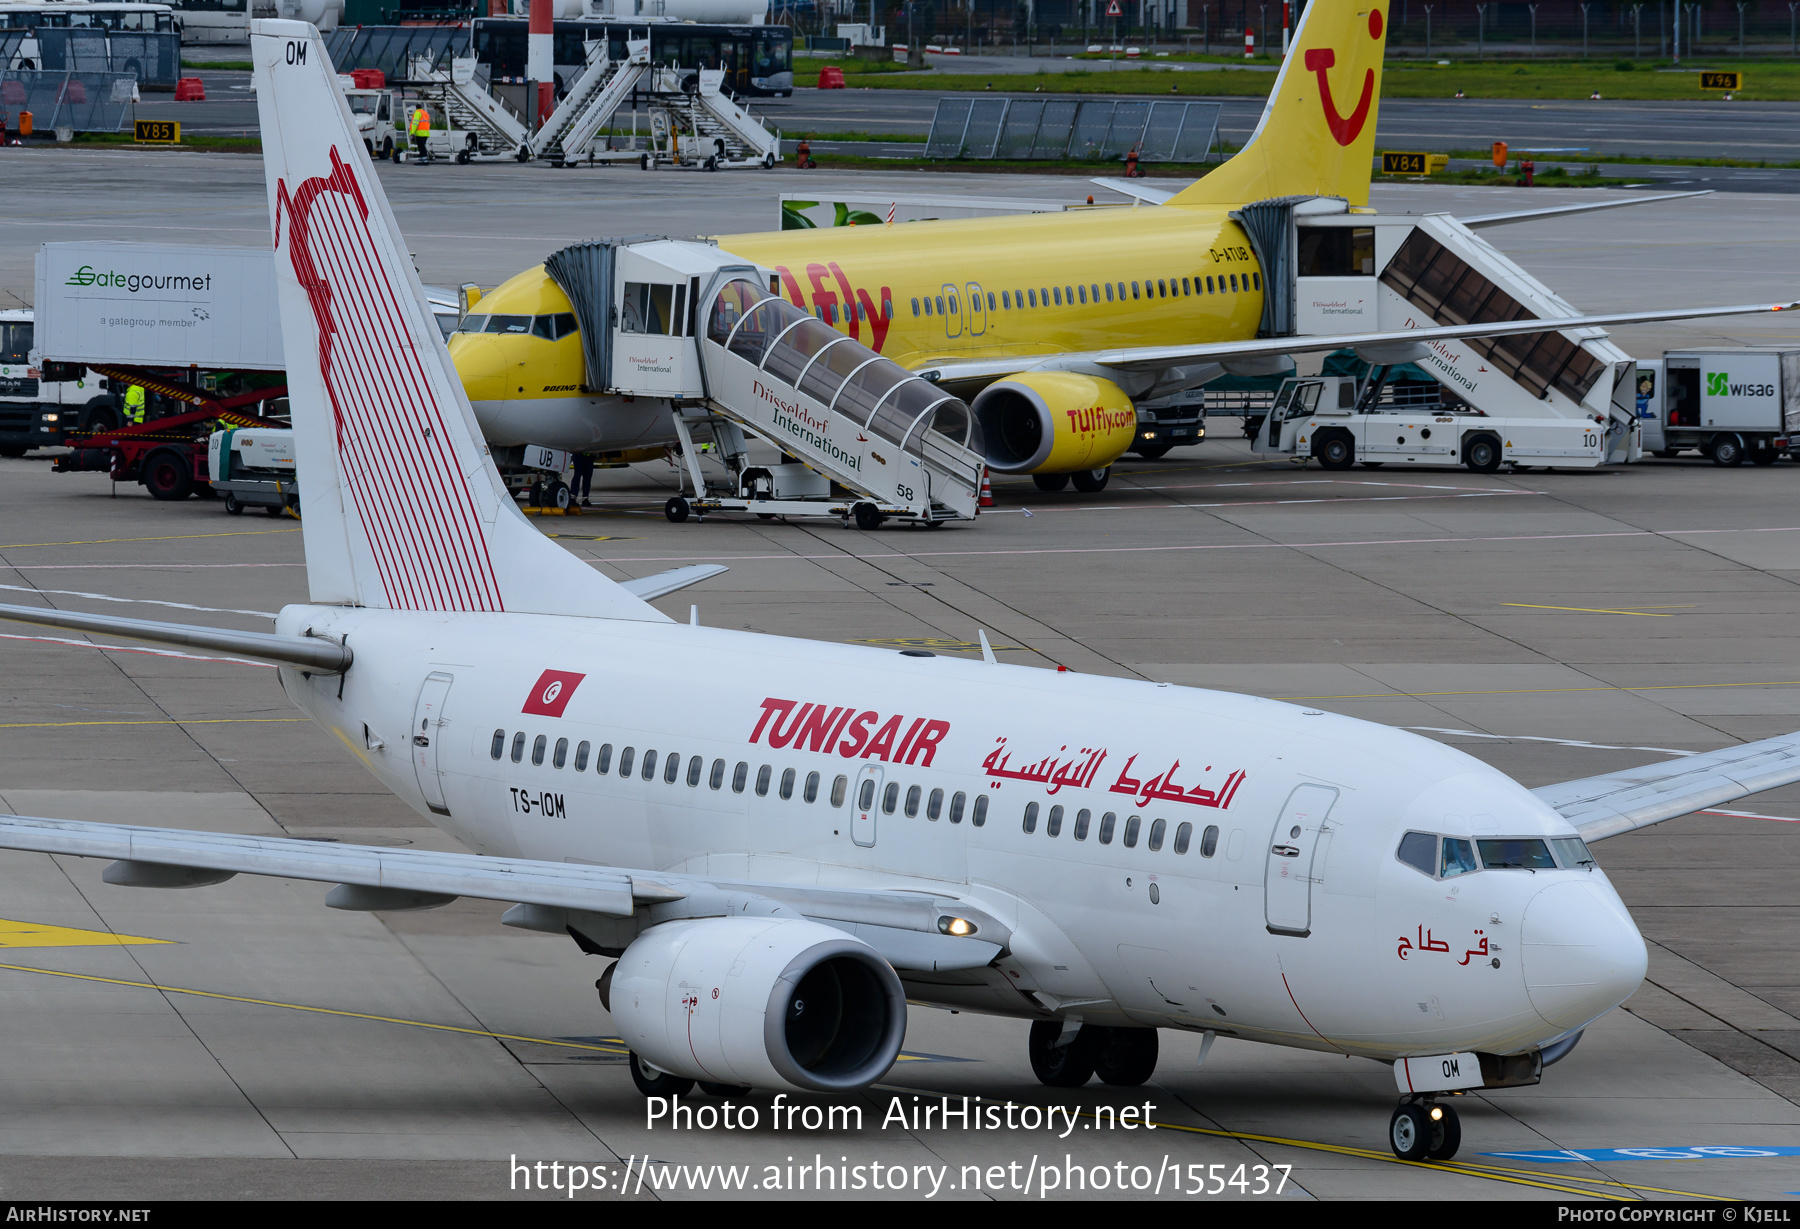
(782,841)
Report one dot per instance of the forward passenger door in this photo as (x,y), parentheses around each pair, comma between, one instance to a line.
(1288,875)
(864,801)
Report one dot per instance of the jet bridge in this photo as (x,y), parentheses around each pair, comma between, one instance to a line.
(862,438)
(1553,398)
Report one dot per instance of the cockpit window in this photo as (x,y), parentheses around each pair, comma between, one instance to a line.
(1459,858)
(1419,851)
(1516,853)
(508,324)
(1572,852)
(472,324)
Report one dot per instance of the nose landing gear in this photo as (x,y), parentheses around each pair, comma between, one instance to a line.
(1423,1130)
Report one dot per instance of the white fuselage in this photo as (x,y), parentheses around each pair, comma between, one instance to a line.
(1393,961)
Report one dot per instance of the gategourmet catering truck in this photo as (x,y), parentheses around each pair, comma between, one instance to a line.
(1727,405)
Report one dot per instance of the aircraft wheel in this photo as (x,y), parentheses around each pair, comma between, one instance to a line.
(1482,454)
(560,496)
(1335,449)
(534,498)
(1050,482)
(868,516)
(233,506)
(1068,1066)
(1727,450)
(1091,480)
(1409,1131)
(1446,1133)
(676,510)
(1125,1057)
(653,1082)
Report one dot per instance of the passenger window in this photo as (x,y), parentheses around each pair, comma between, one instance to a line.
(1162,289)
(787,784)
(1095,291)
(1044,296)
(1057,290)
(1109,297)
(940,305)
(740,776)
(953,305)
(672,769)
(1033,298)
(1419,851)
(696,767)
(1184,836)
(928,305)
(1209,841)
(887,309)
(990,295)
(1516,854)
(1069,295)
(838,788)
(1459,858)
(1106,828)
(581,755)
(499,747)
(1081,293)
(1006,300)
(626,758)
(812,787)
(1131,832)
(1184,287)
(603,761)
(1572,852)
(915,307)
(956,807)
(912,802)
(562,753)
(1256,281)
(718,775)
(1081,823)
(1234,285)
(1209,285)
(1134,290)
(762,780)
(978,816)
(518,751)
(934,807)
(649,765)
(1121,292)
(1031,810)
(537,749)
(865,796)
(1157,828)
(1053,824)
(890,797)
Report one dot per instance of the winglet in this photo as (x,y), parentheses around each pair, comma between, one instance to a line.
(987,650)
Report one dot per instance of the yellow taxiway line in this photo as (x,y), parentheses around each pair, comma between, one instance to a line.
(57,725)
(170,537)
(1537,691)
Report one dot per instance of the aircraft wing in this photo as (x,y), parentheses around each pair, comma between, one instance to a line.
(1396,343)
(907,927)
(1605,806)
(1482,220)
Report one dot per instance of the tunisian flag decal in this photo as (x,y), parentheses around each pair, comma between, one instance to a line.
(550,694)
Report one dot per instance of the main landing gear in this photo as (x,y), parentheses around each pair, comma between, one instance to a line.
(1122,1057)
(1423,1130)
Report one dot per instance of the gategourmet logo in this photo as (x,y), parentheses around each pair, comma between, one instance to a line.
(112,279)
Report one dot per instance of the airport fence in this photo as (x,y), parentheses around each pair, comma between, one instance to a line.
(1101,129)
(154,59)
(83,102)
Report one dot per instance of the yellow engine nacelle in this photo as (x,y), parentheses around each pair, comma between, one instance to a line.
(1054,422)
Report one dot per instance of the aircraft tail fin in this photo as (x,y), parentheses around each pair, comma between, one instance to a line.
(403,508)
(1317,132)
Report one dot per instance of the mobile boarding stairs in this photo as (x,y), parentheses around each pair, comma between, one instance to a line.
(1564,399)
(863,439)
(691,120)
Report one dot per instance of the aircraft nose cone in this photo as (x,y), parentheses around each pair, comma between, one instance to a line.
(1582,954)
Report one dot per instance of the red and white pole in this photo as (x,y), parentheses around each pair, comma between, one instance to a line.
(540,69)
(1287,19)
(1249,42)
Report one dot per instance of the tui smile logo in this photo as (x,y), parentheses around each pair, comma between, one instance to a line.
(1320,61)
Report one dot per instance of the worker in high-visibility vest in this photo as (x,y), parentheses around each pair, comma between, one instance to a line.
(134,404)
(420,131)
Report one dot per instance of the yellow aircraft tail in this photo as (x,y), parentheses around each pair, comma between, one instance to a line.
(1317,133)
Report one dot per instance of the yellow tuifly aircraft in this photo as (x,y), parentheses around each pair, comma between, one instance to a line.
(1053,325)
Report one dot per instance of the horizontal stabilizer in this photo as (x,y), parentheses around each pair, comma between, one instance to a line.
(306,652)
(1605,806)
(1482,220)
(1127,187)
(664,583)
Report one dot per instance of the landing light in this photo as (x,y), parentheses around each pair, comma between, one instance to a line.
(1437,1113)
(961,927)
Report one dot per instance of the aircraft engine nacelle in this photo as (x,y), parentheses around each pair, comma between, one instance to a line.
(765,1002)
(1054,422)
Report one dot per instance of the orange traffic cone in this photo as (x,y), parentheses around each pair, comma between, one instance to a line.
(987,492)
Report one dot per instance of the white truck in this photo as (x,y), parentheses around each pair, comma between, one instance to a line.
(253,467)
(1342,421)
(1728,404)
(41,407)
